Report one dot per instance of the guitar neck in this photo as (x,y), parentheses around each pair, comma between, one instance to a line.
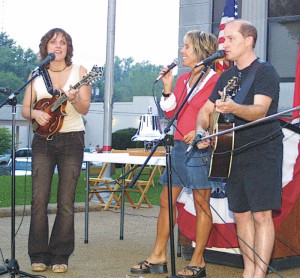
(64,97)
(95,72)
(59,102)
(223,96)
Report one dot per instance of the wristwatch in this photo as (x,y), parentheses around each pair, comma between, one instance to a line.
(165,95)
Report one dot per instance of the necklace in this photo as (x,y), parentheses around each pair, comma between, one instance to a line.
(58,70)
(193,78)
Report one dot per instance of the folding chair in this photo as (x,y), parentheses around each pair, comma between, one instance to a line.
(141,187)
(100,185)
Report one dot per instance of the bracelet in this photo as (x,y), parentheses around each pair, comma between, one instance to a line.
(165,95)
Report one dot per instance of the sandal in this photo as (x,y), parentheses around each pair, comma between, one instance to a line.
(146,267)
(197,272)
(38,267)
(59,268)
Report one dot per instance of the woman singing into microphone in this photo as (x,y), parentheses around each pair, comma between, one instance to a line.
(192,173)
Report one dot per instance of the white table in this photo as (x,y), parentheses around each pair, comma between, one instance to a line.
(124,158)
(121,158)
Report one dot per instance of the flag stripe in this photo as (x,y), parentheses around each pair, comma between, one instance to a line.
(230,13)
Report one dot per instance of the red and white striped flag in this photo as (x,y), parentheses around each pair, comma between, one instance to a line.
(296,103)
(230,13)
(223,233)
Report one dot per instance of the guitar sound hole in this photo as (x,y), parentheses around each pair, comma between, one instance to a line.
(228,118)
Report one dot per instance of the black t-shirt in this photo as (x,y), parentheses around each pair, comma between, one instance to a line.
(266,82)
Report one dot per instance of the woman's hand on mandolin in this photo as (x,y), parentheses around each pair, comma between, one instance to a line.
(41,117)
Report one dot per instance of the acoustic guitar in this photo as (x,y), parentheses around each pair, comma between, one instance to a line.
(221,159)
(56,106)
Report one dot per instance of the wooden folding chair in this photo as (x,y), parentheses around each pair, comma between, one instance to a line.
(116,191)
(100,185)
(141,187)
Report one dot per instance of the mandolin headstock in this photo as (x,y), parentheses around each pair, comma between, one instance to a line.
(96,72)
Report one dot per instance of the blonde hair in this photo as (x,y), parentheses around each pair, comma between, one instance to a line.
(205,44)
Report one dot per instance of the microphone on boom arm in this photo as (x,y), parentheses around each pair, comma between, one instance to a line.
(218,55)
(50,57)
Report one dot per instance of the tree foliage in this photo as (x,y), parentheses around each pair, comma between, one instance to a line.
(15,65)
(5,140)
(121,139)
(130,79)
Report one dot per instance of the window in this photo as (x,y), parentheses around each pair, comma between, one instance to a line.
(283,36)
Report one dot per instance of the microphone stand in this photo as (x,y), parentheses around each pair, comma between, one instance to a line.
(166,142)
(12,265)
(268,118)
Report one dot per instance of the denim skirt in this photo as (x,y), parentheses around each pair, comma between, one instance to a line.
(190,169)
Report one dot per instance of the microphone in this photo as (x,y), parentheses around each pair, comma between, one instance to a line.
(50,57)
(5,91)
(218,55)
(197,138)
(171,66)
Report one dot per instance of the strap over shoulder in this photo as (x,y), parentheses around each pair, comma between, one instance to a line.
(240,97)
(47,80)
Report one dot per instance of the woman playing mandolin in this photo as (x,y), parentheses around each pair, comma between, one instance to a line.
(59,144)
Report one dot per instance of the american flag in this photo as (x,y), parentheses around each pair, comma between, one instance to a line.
(230,13)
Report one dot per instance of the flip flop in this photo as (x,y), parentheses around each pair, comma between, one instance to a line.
(146,267)
(197,272)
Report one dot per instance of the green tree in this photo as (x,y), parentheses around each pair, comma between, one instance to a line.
(5,140)
(130,79)
(15,65)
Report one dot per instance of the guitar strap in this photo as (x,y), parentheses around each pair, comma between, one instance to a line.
(241,95)
(47,80)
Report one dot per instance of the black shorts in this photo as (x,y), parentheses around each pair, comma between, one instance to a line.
(255,182)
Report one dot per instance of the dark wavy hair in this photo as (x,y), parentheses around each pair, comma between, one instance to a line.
(48,36)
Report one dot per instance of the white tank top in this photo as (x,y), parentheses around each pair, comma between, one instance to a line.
(73,120)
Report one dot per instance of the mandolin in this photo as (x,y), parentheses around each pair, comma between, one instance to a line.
(221,159)
(56,106)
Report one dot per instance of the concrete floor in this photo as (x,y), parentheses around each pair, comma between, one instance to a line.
(105,255)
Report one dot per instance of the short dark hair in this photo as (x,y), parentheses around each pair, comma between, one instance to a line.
(247,29)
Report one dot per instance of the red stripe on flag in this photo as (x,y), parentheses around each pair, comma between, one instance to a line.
(297,86)
(222,26)
(221,40)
